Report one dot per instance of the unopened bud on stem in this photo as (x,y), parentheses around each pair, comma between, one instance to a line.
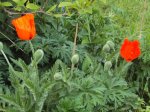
(38,55)
(111,44)
(106,48)
(75,59)
(58,76)
(107,65)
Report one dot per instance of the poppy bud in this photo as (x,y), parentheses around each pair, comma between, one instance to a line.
(38,55)
(106,48)
(107,65)
(75,59)
(58,76)
(111,44)
(1,46)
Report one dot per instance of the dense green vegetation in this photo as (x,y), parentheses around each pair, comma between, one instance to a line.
(73,64)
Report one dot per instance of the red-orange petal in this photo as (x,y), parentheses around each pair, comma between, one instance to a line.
(130,50)
(25,27)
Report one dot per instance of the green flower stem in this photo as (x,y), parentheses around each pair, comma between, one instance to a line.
(31,46)
(34,63)
(74,49)
(6,58)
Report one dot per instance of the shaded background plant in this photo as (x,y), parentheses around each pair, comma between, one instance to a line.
(123,88)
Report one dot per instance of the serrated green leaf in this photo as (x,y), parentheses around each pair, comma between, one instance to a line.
(2,110)
(45,89)
(11,101)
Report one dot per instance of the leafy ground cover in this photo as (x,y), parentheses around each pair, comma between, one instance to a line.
(74,56)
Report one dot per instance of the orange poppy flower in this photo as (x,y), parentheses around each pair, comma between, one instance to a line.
(25,27)
(130,50)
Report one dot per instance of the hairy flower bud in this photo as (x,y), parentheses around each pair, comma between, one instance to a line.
(1,46)
(58,76)
(75,59)
(111,44)
(107,65)
(38,55)
(106,48)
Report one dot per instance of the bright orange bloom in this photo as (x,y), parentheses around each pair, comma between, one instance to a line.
(25,27)
(130,50)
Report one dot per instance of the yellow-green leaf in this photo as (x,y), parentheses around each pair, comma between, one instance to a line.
(20,2)
(104,1)
(57,15)
(5,4)
(51,9)
(18,8)
(32,6)
(85,40)
(65,4)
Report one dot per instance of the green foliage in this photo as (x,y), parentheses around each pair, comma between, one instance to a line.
(27,93)
(92,90)
(88,90)
(49,83)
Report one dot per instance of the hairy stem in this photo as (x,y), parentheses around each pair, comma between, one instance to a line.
(31,46)
(6,58)
(74,49)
